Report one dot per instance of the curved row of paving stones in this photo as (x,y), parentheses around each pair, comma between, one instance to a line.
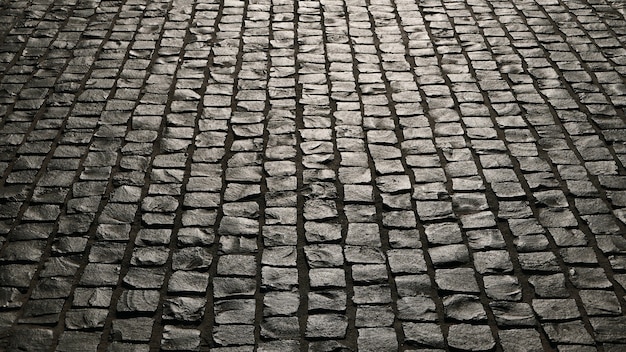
(377,175)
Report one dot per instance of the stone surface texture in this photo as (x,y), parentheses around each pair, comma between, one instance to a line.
(312,175)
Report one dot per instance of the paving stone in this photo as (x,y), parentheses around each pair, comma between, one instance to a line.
(502,287)
(241,265)
(60,266)
(78,341)
(249,172)
(38,339)
(598,302)
(238,226)
(285,345)
(470,337)
(323,277)
(119,346)
(417,308)
(568,237)
(29,251)
(80,319)
(539,261)
(448,255)
(176,339)
(589,278)
(193,236)
(512,314)
(227,287)
(247,210)
(43,311)
(372,294)
(109,253)
(555,309)
(280,303)
(184,308)
(404,239)
(374,316)
(279,278)
(464,308)
(326,326)
(377,339)
(458,280)
(11,297)
(191,258)
(365,234)
(423,334)
(134,300)
(510,340)
(568,333)
(280,328)
(324,255)
(492,262)
(610,329)
(46,212)
(329,299)
(147,237)
(188,281)
(30,231)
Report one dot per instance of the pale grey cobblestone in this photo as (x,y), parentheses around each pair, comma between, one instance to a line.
(319,175)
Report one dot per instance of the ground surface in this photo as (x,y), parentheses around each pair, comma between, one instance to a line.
(371,175)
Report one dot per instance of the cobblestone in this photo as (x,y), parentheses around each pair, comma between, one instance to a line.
(337,175)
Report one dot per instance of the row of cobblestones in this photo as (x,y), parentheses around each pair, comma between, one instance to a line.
(312,175)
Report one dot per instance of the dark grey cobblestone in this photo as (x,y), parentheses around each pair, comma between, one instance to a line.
(337,175)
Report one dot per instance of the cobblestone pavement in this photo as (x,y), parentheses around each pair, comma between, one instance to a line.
(312,175)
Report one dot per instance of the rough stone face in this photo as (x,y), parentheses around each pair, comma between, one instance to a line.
(31,339)
(326,326)
(464,308)
(377,339)
(471,337)
(424,334)
(549,285)
(324,255)
(418,308)
(248,176)
(334,300)
(589,278)
(609,329)
(457,280)
(568,333)
(513,314)
(76,319)
(138,301)
(226,287)
(502,287)
(191,258)
(510,340)
(145,278)
(176,339)
(149,256)
(597,302)
(449,255)
(555,309)
(77,340)
(323,277)
(184,308)
(280,328)
(188,281)
(374,316)
(233,337)
(16,275)
(133,329)
(280,303)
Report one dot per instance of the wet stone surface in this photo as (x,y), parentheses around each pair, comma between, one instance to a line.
(337,175)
